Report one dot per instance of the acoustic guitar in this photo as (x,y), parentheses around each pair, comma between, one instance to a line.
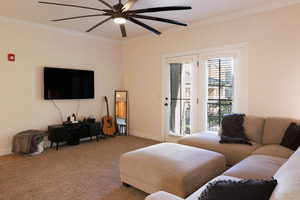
(109,127)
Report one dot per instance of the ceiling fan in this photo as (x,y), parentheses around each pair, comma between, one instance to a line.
(121,13)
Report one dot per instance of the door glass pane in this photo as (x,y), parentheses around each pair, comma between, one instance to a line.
(226,72)
(226,107)
(220,91)
(186,81)
(213,73)
(213,115)
(213,92)
(181,94)
(226,93)
(175,116)
(186,117)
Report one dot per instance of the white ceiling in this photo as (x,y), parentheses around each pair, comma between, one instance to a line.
(30,10)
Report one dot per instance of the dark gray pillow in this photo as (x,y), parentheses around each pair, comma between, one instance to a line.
(232,140)
(239,190)
(233,130)
(291,138)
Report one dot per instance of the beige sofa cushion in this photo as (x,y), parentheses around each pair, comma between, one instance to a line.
(288,177)
(234,153)
(195,195)
(274,150)
(256,167)
(254,127)
(174,168)
(275,129)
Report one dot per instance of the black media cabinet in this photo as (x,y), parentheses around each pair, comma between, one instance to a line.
(73,133)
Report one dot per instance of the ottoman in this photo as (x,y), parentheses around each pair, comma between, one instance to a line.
(174,168)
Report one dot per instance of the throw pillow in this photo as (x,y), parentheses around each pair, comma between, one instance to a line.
(233,130)
(237,190)
(291,138)
(231,140)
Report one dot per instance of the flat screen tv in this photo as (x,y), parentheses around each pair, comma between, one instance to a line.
(68,84)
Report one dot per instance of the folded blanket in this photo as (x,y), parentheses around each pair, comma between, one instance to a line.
(27,141)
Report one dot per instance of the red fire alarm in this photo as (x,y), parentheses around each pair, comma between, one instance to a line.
(11,57)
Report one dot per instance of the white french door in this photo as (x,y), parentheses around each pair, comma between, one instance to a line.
(180,95)
(198,89)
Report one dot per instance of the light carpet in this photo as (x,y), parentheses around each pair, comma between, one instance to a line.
(86,172)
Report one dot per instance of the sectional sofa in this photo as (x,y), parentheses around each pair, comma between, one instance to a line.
(265,159)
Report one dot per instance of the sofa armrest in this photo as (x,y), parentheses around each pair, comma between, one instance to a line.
(163,196)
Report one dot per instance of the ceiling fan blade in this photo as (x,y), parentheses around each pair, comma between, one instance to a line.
(71,5)
(144,25)
(102,22)
(170,21)
(160,9)
(123,30)
(129,5)
(107,4)
(79,17)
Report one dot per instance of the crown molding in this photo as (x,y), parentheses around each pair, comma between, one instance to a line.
(57,29)
(226,17)
(246,12)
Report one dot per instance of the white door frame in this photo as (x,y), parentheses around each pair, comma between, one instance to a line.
(239,52)
(166,86)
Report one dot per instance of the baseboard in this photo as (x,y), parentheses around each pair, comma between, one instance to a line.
(145,135)
(5,151)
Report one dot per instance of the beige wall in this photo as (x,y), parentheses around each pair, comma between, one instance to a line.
(273,79)
(273,61)
(21,83)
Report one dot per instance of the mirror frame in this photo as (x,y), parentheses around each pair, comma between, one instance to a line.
(127,112)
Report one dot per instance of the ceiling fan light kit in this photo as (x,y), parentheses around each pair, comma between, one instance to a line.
(120,20)
(120,14)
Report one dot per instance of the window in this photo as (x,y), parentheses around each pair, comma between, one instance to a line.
(220,91)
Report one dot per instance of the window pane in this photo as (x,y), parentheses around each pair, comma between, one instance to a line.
(186,118)
(226,108)
(213,115)
(213,72)
(226,72)
(175,76)
(226,93)
(186,81)
(181,93)
(213,92)
(175,116)
(213,107)
(220,91)
(213,123)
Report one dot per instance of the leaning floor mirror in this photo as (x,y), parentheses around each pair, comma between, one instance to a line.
(121,112)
